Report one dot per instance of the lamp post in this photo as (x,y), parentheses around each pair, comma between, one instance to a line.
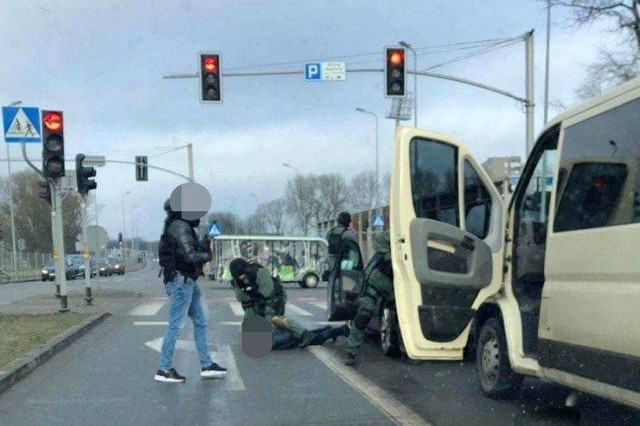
(415,80)
(291,167)
(123,225)
(13,222)
(377,157)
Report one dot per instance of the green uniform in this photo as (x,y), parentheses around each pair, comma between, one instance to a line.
(351,256)
(378,284)
(266,304)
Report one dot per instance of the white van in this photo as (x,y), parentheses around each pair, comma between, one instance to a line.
(548,286)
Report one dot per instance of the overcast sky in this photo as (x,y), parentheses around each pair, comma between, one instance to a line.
(102,64)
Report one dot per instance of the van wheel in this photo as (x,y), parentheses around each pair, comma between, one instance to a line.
(389,332)
(497,379)
(310,281)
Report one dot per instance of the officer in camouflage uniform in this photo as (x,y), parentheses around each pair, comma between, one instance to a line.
(335,237)
(260,296)
(378,284)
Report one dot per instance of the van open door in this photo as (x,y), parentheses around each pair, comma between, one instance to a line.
(345,282)
(447,240)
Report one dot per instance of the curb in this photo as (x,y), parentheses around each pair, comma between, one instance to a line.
(17,370)
(22,280)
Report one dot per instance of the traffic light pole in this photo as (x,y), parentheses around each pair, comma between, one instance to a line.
(59,248)
(85,253)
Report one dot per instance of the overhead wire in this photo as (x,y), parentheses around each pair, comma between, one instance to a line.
(473,54)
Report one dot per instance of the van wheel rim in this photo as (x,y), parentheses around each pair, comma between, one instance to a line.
(490,359)
(385,329)
(311,281)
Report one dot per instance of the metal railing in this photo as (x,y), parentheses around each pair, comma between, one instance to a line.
(29,265)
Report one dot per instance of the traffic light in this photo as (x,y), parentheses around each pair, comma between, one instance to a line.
(210,78)
(142,173)
(44,191)
(119,237)
(395,72)
(83,175)
(52,144)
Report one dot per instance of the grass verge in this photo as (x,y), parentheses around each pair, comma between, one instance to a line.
(22,333)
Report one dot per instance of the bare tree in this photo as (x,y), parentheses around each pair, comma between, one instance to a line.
(300,198)
(255,224)
(274,214)
(229,222)
(332,195)
(612,67)
(362,191)
(33,215)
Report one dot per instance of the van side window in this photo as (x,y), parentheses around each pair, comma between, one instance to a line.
(601,157)
(434,181)
(477,202)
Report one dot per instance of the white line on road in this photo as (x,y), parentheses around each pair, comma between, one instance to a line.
(231,323)
(236,308)
(151,323)
(393,408)
(147,309)
(297,310)
(233,379)
(321,305)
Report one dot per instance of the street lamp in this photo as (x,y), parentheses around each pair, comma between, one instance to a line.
(13,222)
(123,224)
(377,156)
(291,167)
(415,80)
(134,227)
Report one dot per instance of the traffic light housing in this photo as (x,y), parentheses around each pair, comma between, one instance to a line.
(44,191)
(84,175)
(119,237)
(142,171)
(52,144)
(210,78)
(395,72)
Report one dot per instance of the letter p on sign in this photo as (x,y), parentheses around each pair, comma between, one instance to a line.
(312,72)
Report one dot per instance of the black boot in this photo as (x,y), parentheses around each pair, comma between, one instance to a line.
(351,360)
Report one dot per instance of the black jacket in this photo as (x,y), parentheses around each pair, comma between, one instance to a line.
(190,254)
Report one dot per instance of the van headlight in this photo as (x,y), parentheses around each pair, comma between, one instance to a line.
(44,271)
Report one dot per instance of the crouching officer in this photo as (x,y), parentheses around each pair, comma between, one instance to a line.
(378,284)
(260,295)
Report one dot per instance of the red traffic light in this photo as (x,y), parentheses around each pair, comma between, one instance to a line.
(52,121)
(210,64)
(396,58)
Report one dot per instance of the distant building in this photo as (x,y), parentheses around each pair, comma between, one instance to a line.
(503,169)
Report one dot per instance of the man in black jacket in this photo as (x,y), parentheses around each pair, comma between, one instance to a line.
(181,257)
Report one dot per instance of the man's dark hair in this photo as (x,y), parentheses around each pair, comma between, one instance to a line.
(344,219)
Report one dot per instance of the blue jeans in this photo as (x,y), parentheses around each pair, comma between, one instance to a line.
(184,299)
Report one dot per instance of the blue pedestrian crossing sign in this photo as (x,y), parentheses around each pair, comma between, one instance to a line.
(378,221)
(215,230)
(313,71)
(21,124)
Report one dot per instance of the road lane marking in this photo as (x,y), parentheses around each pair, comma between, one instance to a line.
(321,305)
(388,404)
(151,323)
(231,323)
(297,310)
(236,307)
(334,323)
(233,380)
(147,309)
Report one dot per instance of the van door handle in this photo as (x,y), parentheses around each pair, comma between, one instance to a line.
(401,241)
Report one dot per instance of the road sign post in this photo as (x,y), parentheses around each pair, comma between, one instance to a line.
(88,298)
(61,269)
(378,222)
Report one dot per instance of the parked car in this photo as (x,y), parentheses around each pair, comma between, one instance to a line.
(92,266)
(75,269)
(117,265)
(48,272)
(104,268)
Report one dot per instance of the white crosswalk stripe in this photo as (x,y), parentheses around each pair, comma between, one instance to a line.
(291,308)
(236,307)
(147,309)
(321,305)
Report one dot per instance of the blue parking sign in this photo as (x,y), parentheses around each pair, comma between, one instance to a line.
(313,72)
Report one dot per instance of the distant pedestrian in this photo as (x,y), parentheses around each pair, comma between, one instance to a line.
(181,258)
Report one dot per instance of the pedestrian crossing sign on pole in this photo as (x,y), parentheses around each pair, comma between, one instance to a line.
(215,230)
(21,124)
(378,221)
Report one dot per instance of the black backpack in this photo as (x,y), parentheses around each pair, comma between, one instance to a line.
(334,241)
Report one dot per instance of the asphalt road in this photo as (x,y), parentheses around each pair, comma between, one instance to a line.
(106,377)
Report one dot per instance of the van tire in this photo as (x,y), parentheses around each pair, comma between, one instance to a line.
(389,331)
(310,281)
(497,379)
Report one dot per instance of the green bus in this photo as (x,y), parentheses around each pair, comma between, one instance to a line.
(299,260)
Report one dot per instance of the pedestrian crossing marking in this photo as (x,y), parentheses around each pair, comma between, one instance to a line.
(151,323)
(236,307)
(147,309)
(233,380)
(321,305)
(297,310)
